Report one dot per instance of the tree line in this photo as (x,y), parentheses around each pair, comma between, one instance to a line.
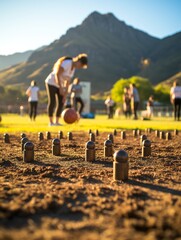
(145,88)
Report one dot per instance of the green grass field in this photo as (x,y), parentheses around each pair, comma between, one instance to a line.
(16,123)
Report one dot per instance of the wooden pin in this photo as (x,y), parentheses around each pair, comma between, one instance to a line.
(120,165)
(146,148)
(90,151)
(40,136)
(110,137)
(123,135)
(6,138)
(143,137)
(28,152)
(48,135)
(108,152)
(92,137)
(168,136)
(60,134)
(56,147)
(70,136)
(23,141)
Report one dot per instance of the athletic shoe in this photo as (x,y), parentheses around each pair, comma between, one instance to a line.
(51,124)
(58,124)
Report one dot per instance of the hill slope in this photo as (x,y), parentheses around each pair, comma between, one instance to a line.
(165,59)
(169,82)
(9,60)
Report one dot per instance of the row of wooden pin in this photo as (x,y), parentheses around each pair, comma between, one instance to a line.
(163,135)
(136,132)
(146,147)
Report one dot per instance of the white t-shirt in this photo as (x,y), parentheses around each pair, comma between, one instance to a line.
(75,90)
(109,102)
(135,95)
(65,76)
(33,90)
(175,92)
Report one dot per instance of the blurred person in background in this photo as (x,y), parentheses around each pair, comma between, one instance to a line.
(75,91)
(126,103)
(33,94)
(175,99)
(135,99)
(110,106)
(149,106)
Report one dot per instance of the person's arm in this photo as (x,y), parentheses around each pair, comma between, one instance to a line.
(67,83)
(131,94)
(171,93)
(28,92)
(58,80)
(70,89)
(38,93)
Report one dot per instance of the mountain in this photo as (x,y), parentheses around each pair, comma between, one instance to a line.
(115,51)
(165,59)
(169,82)
(10,60)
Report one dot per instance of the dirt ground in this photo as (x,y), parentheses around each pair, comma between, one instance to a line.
(65,197)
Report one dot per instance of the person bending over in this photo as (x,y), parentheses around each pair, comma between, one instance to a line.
(58,81)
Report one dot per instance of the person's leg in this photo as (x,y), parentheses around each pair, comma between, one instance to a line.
(30,110)
(111,111)
(175,109)
(135,109)
(76,104)
(72,102)
(125,113)
(35,109)
(178,108)
(59,108)
(129,110)
(51,91)
(129,113)
(108,112)
(81,104)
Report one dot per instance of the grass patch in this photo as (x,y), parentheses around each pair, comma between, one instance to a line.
(14,123)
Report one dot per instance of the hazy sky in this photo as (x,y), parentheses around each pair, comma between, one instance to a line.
(30,24)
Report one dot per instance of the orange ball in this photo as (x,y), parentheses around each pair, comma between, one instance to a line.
(69,115)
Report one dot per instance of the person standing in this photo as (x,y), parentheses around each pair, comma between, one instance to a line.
(135,99)
(75,91)
(126,103)
(33,94)
(149,107)
(57,84)
(175,98)
(110,106)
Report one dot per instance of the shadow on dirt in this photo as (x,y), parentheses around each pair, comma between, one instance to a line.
(154,187)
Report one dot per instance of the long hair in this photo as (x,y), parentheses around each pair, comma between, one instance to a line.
(82,57)
(58,63)
(33,83)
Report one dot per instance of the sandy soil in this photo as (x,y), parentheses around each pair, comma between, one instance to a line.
(64,197)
